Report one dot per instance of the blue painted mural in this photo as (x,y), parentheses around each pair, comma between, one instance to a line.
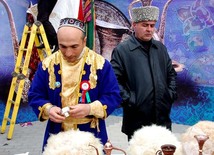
(188,33)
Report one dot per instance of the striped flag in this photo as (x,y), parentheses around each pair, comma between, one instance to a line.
(87,11)
(89,18)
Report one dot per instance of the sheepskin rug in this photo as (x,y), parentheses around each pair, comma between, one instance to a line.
(190,144)
(149,139)
(73,143)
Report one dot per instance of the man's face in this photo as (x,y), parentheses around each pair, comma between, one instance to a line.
(71,43)
(144,30)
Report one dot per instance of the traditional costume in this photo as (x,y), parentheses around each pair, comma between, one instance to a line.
(89,80)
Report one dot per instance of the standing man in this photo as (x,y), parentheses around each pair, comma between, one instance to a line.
(146,77)
(74,88)
(45,7)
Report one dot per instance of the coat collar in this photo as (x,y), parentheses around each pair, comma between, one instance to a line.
(134,43)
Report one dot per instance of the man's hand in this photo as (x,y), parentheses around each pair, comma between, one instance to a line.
(80,110)
(55,115)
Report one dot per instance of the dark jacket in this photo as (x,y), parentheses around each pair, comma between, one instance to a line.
(147,82)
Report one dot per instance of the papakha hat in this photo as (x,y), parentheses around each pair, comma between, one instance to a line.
(73,22)
(145,13)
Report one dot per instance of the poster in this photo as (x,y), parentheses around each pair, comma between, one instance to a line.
(187,30)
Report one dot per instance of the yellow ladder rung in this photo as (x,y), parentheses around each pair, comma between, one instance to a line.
(27,32)
(24,49)
(8,119)
(19,67)
(11,101)
(31,37)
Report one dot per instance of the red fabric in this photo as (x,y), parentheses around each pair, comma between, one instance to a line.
(34,59)
(80,14)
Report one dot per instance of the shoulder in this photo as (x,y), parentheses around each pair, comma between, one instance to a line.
(94,59)
(125,42)
(97,61)
(158,44)
(51,60)
(124,46)
(128,45)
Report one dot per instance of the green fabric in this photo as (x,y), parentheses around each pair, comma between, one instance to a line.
(88,97)
(90,29)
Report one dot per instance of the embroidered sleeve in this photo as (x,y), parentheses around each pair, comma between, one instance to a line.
(44,111)
(98,110)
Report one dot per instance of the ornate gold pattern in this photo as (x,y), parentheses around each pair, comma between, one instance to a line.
(71,79)
(96,62)
(48,63)
(97,109)
(71,123)
(44,111)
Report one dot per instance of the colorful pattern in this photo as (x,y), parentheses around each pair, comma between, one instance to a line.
(73,23)
(195,17)
(87,11)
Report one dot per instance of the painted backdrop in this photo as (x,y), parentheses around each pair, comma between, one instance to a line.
(187,29)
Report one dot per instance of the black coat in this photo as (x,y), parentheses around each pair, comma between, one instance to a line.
(147,81)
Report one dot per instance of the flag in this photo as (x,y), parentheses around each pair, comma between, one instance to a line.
(80,11)
(89,18)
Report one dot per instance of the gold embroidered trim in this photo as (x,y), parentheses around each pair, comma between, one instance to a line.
(48,63)
(71,85)
(44,111)
(97,109)
(95,123)
(105,112)
(93,59)
(73,122)
(97,62)
(72,96)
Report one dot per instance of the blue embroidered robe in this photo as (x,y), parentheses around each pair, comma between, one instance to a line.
(106,91)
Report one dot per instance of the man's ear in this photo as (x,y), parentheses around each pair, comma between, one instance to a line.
(133,24)
(85,39)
